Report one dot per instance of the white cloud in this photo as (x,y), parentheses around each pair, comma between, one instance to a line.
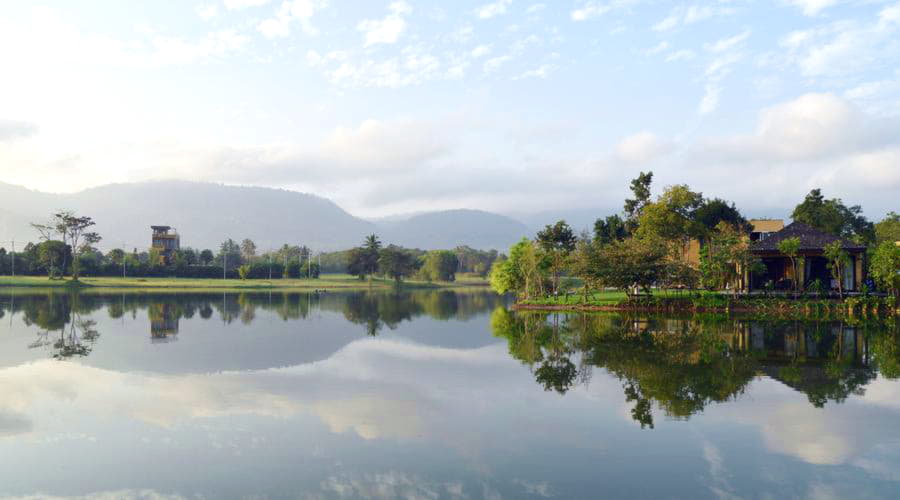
(11,129)
(812,7)
(493,9)
(388,29)
(590,10)
(481,51)
(710,100)
(494,63)
(726,44)
(207,12)
(243,4)
(535,8)
(642,148)
(542,71)
(846,47)
(288,13)
(660,47)
(681,55)
(683,16)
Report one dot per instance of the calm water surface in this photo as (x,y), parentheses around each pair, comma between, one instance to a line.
(435,394)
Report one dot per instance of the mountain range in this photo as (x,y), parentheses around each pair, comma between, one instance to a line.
(205,214)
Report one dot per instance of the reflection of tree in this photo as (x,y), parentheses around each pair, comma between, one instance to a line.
(683,365)
(61,312)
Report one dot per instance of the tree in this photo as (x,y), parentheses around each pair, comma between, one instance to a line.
(51,254)
(838,260)
(248,249)
(440,265)
(229,255)
(888,229)
(557,241)
(832,216)
(790,247)
(206,257)
(244,271)
(520,272)
(713,212)
(633,262)
(725,257)
(396,263)
(73,231)
(610,229)
(885,267)
(364,261)
(640,187)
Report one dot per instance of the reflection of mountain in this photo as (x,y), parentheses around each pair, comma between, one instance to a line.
(683,365)
(243,331)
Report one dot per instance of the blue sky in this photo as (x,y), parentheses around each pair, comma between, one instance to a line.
(511,106)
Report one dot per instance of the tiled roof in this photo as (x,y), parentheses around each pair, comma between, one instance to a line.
(810,239)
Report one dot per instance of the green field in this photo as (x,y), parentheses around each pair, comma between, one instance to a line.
(326,282)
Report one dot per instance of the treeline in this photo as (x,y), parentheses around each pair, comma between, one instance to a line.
(398,263)
(67,248)
(647,245)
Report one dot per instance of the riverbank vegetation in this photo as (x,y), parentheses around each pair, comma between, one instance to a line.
(641,258)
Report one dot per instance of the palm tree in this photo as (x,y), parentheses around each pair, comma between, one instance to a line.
(372,243)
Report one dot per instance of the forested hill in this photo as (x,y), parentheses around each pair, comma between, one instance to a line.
(205,214)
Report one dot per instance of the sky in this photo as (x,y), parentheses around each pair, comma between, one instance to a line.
(511,106)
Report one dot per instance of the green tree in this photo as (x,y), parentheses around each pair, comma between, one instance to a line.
(52,253)
(520,272)
(790,247)
(557,241)
(229,255)
(73,230)
(633,262)
(396,263)
(640,188)
(888,229)
(244,271)
(725,257)
(440,265)
(248,249)
(832,216)
(713,212)
(610,229)
(206,257)
(885,267)
(838,260)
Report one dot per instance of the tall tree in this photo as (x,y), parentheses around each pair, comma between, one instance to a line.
(715,211)
(832,216)
(248,249)
(610,229)
(640,188)
(838,260)
(791,247)
(633,262)
(888,229)
(557,241)
(885,267)
(672,218)
(73,230)
(396,263)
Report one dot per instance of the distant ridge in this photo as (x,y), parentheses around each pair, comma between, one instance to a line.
(205,214)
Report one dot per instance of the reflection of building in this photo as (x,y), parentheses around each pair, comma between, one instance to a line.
(166,241)
(163,323)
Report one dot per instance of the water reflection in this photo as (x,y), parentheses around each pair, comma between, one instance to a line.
(436,394)
(683,365)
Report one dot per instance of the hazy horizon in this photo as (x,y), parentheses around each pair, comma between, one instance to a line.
(512,107)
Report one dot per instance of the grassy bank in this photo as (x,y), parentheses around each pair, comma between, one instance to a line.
(662,300)
(326,282)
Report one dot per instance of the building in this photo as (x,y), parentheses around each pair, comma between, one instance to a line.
(166,241)
(763,228)
(812,266)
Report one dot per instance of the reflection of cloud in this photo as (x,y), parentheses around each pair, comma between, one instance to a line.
(373,387)
(392,484)
(130,494)
(789,425)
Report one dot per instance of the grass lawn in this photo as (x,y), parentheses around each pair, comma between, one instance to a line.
(602,298)
(327,281)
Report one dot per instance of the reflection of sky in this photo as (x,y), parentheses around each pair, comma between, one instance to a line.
(397,415)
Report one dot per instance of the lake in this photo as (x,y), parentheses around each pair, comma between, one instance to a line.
(435,394)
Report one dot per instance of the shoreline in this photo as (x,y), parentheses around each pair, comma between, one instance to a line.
(325,283)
